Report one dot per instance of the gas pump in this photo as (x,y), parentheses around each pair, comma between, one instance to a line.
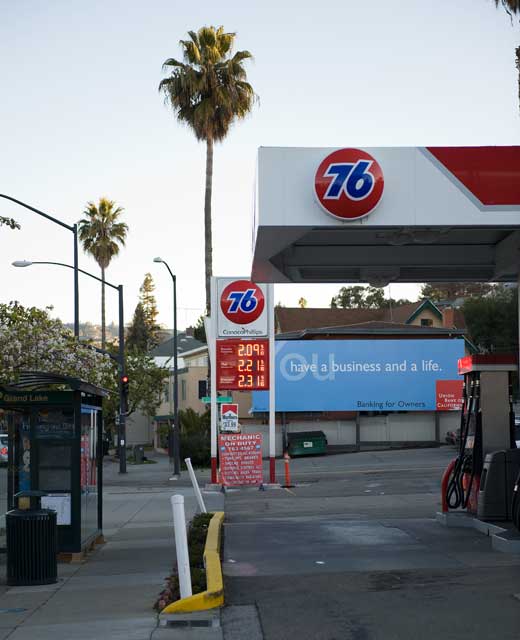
(483,476)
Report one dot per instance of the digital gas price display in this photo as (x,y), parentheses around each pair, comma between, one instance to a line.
(243,365)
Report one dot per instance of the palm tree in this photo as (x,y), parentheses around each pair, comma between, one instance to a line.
(102,235)
(512,7)
(208,92)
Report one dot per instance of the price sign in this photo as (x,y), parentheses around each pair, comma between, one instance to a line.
(243,365)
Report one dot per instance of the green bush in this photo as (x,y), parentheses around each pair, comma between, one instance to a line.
(195,437)
(162,432)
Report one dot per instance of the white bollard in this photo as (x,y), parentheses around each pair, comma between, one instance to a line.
(196,487)
(181,545)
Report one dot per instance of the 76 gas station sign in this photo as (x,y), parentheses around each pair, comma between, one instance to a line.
(241,351)
(241,309)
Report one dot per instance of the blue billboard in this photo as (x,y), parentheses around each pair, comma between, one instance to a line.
(360,375)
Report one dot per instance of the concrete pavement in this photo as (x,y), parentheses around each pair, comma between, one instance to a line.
(112,593)
(353,552)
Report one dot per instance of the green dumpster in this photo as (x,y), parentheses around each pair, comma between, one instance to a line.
(305,443)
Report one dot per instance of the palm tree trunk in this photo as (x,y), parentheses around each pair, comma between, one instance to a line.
(103,327)
(208,248)
(517,63)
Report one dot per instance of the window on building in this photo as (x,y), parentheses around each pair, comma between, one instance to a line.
(426,322)
(183,389)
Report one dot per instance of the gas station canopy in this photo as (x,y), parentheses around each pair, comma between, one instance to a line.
(389,214)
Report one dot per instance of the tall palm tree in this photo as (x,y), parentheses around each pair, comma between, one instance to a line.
(102,234)
(512,7)
(208,92)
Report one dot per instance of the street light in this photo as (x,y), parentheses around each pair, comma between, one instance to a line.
(174,442)
(121,428)
(74,229)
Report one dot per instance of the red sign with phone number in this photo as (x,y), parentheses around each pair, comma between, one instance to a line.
(240,459)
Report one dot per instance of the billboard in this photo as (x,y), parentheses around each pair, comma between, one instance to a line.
(361,375)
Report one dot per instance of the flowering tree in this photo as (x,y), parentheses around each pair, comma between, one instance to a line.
(9,222)
(31,340)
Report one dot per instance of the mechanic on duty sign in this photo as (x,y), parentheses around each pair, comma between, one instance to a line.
(240,459)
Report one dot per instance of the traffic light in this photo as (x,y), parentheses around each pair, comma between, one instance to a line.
(124,388)
(203,388)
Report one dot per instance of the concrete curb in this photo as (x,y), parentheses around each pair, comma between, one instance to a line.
(213,597)
(501,539)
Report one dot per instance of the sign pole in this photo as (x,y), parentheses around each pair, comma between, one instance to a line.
(272,381)
(212,341)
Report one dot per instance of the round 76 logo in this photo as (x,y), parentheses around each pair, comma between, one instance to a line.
(242,301)
(349,183)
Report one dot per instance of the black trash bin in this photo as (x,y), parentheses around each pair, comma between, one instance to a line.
(31,543)
(138,453)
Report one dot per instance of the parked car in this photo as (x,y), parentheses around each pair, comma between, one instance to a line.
(517,431)
(4,444)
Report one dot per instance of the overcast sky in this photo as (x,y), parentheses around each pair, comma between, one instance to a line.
(81,117)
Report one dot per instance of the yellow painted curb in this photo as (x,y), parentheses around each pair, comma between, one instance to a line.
(214,595)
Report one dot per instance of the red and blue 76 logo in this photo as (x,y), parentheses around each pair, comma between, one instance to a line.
(349,184)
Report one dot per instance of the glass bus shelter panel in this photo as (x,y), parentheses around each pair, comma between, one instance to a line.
(55,436)
(17,425)
(88,473)
(54,431)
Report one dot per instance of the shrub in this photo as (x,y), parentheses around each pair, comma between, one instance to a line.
(195,437)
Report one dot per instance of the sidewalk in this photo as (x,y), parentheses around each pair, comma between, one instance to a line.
(112,593)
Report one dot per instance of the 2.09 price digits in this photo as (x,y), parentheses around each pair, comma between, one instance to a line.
(250,349)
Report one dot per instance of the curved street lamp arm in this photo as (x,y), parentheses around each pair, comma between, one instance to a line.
(168,267)
(40,213)
(69,266)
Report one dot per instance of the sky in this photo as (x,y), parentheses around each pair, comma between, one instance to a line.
(81,118)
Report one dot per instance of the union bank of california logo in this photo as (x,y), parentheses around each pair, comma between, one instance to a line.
(349,184)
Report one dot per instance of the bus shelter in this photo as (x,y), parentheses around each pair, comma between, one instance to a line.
(54,425)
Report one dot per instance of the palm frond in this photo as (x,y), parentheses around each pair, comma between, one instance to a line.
(210,90)
(101,232)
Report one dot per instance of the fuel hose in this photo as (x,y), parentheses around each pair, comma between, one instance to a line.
(455,495)
(515,504)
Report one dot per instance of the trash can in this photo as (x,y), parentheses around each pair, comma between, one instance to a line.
(304,443)
(31,543)
(138,453)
